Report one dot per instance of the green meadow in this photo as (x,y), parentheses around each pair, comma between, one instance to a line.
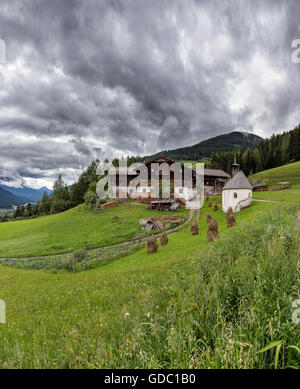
(286,196)
(74,229)
(289,173)
(191,305)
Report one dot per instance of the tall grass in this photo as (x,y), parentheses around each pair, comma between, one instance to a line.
(229,306)
(221,309)
(80,260)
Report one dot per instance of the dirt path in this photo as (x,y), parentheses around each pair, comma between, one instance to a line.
(268,201)
(277,201)
(171,231)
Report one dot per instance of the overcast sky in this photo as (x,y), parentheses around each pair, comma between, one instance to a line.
(95,78)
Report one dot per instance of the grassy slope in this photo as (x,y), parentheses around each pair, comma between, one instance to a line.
(288,195)
(183,243)
(71,230)
(78,320)
(290,173)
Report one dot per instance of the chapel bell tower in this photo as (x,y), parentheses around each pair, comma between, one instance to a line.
(235,167)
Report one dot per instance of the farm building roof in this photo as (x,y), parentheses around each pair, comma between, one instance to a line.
(215,173)
(207,172)
(238,181)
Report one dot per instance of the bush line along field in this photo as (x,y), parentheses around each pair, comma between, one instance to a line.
(191,305)
(74,229)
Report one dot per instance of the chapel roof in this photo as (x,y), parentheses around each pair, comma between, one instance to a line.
(238,181)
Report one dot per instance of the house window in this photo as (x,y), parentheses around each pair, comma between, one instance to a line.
(235,195)
(144,190)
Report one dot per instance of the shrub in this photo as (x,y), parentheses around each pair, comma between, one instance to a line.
(80,255)
(90,198)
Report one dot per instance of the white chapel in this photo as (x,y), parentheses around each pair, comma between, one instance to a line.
(237,192)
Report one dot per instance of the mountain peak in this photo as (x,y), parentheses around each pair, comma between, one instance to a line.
(232,141)
(45,189)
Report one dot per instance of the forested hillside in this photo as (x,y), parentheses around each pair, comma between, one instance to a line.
(222,143)
(269,153)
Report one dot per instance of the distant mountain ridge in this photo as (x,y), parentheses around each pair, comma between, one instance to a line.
(13,191)
(227,142)
(7,199)
(27,194)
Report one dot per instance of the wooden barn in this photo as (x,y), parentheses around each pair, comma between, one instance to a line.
(214,181)
(259,186)
(165,205)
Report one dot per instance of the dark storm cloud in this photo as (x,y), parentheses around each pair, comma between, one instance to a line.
(88,79)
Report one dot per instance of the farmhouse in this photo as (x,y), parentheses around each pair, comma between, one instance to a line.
(237,193)
(214,181)
(259,186)
(165,204)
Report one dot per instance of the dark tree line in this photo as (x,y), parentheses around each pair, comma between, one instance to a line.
(269,153)
(23,211)
(130,160)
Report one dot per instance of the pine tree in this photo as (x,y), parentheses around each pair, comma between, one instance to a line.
(61,196)
(79,188)
(17,212)
(28,212)
(22,211)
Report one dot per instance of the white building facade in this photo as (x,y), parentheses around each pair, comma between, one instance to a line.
(237,193)
(237,199)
